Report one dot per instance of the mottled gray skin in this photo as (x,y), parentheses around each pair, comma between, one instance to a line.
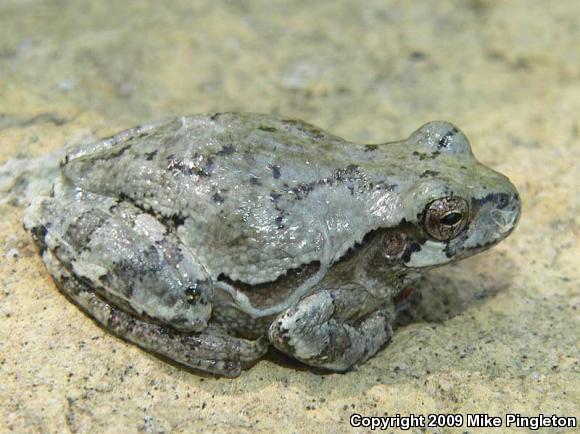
(205,238)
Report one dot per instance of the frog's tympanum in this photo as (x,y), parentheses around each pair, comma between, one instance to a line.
(207,238)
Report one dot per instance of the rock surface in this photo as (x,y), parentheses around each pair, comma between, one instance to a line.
(497,333)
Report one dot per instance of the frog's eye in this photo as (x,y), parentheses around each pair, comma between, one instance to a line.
(446,217)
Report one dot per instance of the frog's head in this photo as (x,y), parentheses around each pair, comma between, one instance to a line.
(455,206)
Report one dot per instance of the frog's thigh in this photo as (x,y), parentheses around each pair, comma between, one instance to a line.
(126,256)
(325,330)
(209,352)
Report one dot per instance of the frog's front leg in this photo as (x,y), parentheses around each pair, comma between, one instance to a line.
(134,277)
(327,330)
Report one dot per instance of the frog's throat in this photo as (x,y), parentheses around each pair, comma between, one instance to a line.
(242,302)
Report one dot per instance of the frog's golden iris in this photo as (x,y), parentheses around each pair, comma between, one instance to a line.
(446,217)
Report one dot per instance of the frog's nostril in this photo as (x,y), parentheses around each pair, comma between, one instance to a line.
(503,219)
(498,217)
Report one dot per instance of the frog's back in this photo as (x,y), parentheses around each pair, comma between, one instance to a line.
(251,195)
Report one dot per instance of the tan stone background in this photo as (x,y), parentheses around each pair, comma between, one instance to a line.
(497,333)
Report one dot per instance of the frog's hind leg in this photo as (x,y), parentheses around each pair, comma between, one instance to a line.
(125,255)
(214,353)
(200,349)
(332,329)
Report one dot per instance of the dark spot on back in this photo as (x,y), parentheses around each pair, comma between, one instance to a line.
(275,197)
(370,148)
(227,150)
(179,166)
(352,177)
(173,221)
(304,128)
(192,167)
(254,180)
(428,173)
(382,185)
(424,156)
(217,198)
(119,152)
(150,155)
(208,169)
(267,128)
(303,190)
(279,221)
(418,55)
(276,172)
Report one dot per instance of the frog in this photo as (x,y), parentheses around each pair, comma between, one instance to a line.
(208,239)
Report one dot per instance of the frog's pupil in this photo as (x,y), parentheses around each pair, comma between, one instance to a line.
(451,219)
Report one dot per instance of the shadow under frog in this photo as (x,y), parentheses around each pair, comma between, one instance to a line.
(438,296)
(208,239)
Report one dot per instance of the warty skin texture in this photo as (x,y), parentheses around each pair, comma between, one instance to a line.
(246,229)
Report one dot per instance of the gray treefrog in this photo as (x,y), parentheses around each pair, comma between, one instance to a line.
(207,238)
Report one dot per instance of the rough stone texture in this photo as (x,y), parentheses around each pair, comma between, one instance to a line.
(497,333)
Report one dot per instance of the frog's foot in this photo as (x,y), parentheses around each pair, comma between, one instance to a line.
(324,330)
(208,351)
